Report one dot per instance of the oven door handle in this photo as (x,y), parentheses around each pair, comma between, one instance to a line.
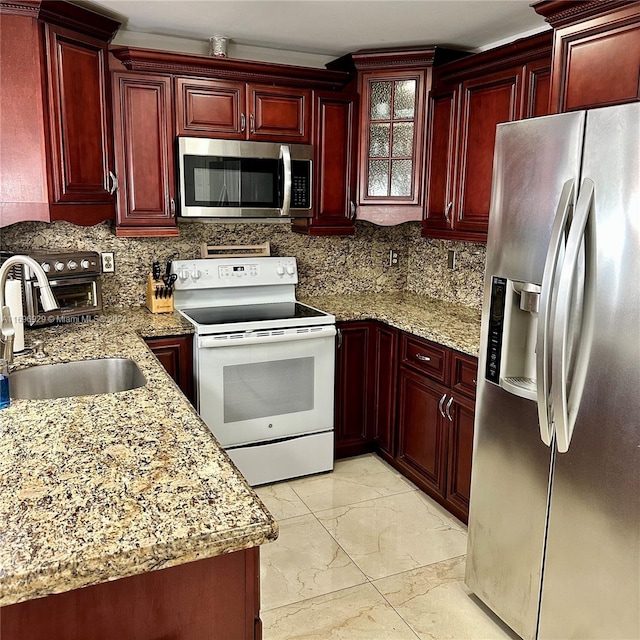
(264,337)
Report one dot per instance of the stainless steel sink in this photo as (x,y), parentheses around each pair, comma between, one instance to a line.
(79,378)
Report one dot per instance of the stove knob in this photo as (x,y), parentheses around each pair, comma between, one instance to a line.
(280,270)
(183,274)
(72,265)
(290,269)
(46,267)
(196,273)
(58,266)
(85,264)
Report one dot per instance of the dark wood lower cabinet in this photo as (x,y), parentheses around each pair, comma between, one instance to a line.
(422,435)
(412,402)
(216,598)
(353,434)
(176,356)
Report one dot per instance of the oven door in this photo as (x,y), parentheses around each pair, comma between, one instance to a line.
(264,386)
(76,297)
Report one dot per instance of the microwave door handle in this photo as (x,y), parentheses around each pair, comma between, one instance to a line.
(285,156)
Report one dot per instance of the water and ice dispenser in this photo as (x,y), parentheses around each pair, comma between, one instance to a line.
(513,327)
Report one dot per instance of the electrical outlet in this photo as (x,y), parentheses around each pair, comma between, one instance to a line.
(451,259)
(108,263)
(393,258)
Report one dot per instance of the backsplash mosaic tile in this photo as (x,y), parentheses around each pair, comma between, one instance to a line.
(327,265)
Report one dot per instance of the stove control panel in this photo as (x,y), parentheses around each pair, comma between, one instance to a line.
(234,272)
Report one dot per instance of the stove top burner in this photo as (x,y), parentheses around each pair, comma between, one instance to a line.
(293,311)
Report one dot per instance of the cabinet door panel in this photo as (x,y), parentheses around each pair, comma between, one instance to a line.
(144,145)
(460,455)
(384,381)
(333,179)
(537,89)
(602,69)
(279,114)
(176,356)
(441,159)
(80,118)
(210,108)
(485,104)
(353,388)
(421,436)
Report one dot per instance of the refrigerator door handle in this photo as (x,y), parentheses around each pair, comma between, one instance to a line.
(566,402)
(552,268)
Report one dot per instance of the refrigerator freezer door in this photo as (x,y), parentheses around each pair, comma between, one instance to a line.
(592,571)
(533,161)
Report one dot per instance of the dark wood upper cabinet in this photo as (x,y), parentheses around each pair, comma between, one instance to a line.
(279,114)
(441,161)
(144,134)
(80,121)
(334,179)
(470,97)
(393,85)
(237,111)
(210,108)
(55,121)
(485,103)
(596,52)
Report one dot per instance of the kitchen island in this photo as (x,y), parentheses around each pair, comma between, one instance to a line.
(101,488)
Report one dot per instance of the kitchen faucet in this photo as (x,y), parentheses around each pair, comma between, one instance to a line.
(49,302)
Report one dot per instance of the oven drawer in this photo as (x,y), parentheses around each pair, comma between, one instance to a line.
(427,357)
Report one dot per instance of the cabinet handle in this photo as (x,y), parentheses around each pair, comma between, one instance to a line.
(114,183)
(243,122)
(252,123)
(172,206)
(475,382)
(352,205)
(444,395)
(339,333)
(419,356)
(449,407)
(446,212)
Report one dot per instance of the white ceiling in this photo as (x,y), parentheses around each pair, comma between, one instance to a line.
(329,27)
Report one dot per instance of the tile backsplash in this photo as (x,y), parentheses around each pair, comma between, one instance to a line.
(326,265)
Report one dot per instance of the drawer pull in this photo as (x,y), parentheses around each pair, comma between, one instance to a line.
(441,403)
(449,407)
(419,356)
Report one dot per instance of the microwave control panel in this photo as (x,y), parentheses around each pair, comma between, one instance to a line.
(300,184)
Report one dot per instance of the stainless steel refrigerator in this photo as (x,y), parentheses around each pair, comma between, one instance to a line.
(554,522)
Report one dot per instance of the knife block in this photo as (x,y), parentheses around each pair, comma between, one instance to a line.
(157,305)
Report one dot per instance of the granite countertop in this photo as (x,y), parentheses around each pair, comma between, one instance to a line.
(97,488)
(452,325)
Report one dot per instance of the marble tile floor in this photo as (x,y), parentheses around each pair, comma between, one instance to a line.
(365,555)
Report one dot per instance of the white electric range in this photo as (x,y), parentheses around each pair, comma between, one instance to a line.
(263,364)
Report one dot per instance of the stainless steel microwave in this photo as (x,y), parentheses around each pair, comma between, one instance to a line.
(239,179)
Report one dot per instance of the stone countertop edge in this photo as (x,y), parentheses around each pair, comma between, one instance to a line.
(97,488)
(452,325)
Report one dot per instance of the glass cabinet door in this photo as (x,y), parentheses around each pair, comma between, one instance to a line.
(392,125)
